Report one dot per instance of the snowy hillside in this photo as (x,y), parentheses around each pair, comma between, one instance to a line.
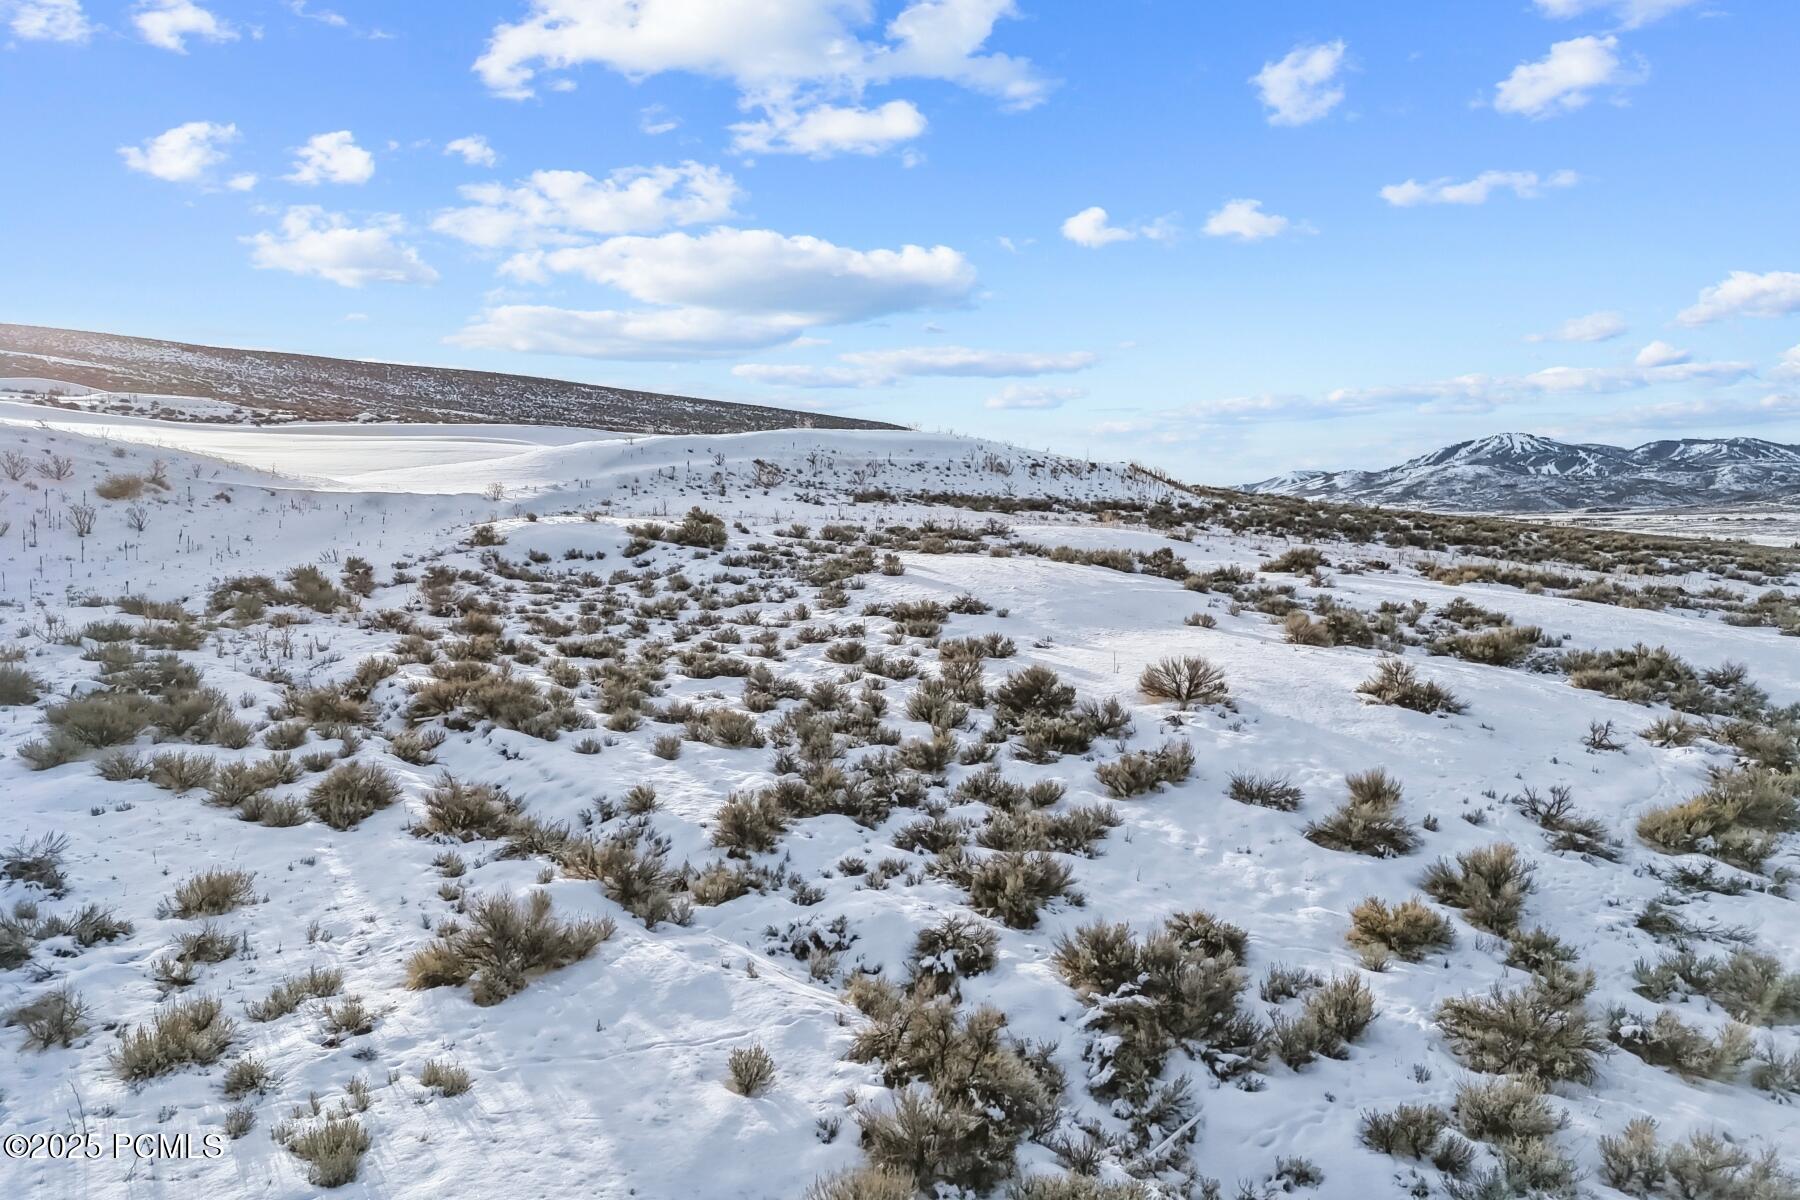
(1516,472)
(533,811)
(261,384)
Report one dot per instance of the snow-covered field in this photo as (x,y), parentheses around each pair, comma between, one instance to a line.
(515,547)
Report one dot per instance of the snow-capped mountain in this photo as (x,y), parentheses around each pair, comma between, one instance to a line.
(1519,472)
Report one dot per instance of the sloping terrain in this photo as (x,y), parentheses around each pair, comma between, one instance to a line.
(1515,472)
(527,811)
(315,388)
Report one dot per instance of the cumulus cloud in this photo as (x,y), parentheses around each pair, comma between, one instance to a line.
(1745,294)
(1303,86)
(1246,221)
(827,129)
(1631,14)
(169,23)
(1661,354)
(723,291)
(184,154)
(1034,396)
(650,336)
(881,368)
(1594,327)
(760,271)
(1090,228)
(331,158)
(1564,80)
(560,207)
(785,59)
(47,20)
(326,245)
(473,149)
(1789,366)
(1526,185)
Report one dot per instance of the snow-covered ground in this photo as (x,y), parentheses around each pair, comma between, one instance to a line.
(608,1077)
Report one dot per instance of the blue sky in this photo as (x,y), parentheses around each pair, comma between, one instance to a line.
(1234,238)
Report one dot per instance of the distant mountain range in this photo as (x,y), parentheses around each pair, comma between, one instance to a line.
(337,389)
(1519,472)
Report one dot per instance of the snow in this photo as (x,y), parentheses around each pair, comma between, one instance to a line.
(605,1078)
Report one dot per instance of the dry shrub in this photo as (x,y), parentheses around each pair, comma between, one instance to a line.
(53,1018)
(1541,1031)
(1396,683)
(185,1032)
(1011,886)
(446,1077)
(333,1149)
(1186,681)
(1138,772)
(1407,930)
(1265,791)
(316,983)
(1489,885)
(505,943)
(1736,819)
(751,1070)
(209,894)
(352,792)
(1369,820)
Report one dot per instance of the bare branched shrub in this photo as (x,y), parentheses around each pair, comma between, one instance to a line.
(749,823)
(54,1018)
(465,811)
(1265,791)
(954,948)
(1186,681)
(864,1183)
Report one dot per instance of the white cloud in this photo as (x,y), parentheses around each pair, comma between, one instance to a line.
(1746,294)
(1594,327)
(243,182)
(322,15)
(1303,86)
(473,150)
(1563,80)
(1661,354)
(827,129)
(1631,14)
(667,334)
(331,158)
(317,243)
(1789,366)
(49,21)
(882,368)
(719,293)
(655,120)
(1479,393)
(1090,228)
(785,58)
(169,23)
(1526,185)
(1246,221)
(763,272)
(561,206)
(1033,396)
(183,154)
